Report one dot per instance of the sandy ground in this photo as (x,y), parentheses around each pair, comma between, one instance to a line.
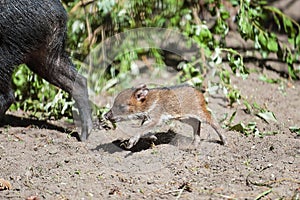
(40,159)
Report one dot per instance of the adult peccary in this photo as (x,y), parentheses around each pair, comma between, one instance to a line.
(34,32)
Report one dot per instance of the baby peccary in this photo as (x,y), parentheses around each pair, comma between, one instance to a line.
(157,105)
(34,32)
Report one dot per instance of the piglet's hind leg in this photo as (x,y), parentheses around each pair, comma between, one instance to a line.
(196,124)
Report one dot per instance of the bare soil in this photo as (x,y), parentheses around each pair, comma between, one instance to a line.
(40,159)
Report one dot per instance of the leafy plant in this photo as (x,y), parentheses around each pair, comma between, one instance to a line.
(250,19)
(38,96)
(248,129)
(295,129)
(251,128)
(93,21)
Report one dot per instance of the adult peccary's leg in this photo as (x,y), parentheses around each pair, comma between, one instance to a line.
(6,92)
(80,95)
(34,32)
(53,64)
(6,99)
(61,72)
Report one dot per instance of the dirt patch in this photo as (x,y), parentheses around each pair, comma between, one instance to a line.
(41,160)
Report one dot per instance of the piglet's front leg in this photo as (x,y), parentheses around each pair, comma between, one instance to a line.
(146,127)
(135,139)
(131,142)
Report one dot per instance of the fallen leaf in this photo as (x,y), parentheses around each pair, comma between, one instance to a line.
(4,185)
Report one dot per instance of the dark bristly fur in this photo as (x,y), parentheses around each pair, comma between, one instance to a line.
(34,32)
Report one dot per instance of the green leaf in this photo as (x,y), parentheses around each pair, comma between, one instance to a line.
(277,21)
(233,96)
(224,14)
(272,44)
(267,116)
(264,78)
(295,129)
(232,117)
(297,41)
(225,76)
(248,107)
(262,39)
(287,24)
(238,127)
(289,58)
(247,130)
(268,133)
(292,72)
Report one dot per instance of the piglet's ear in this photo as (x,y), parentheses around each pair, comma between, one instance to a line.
(141,93)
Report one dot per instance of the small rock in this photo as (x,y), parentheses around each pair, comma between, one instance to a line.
(33,198)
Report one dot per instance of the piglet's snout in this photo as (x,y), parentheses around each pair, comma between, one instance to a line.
(108,115)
